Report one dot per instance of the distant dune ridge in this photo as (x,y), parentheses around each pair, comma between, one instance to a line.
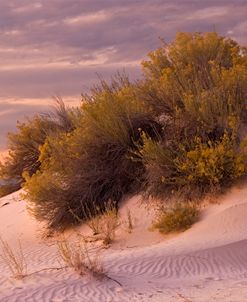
(206,263)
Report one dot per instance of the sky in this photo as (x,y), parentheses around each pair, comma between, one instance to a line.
(61,47)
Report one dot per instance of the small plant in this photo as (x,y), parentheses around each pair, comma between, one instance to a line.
(103,222)
(93,218)
(130,224)
(177,218)
(109,222)
(76,255)
(14,259)
(94,224)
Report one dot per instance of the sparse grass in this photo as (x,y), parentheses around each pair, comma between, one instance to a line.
(109,223)
(130,224)
(93,219)
(83,260)
(179,217)
(102,222)
(14,259)
(77,256)
(95,224)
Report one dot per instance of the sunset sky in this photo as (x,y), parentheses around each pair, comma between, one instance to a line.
(57,47)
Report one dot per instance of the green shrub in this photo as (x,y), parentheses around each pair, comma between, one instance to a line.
(180,217)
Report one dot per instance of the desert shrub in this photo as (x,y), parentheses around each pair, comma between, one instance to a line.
(215,162)
(196,88)
(176,130)
(65,119)
(194,168)
(24,148)
(95,163)
(179,217)
(198,82)
(25,143)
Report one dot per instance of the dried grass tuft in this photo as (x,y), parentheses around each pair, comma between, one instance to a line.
(77,256)
(14,259)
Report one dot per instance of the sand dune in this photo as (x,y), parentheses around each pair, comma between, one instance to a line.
(206,263)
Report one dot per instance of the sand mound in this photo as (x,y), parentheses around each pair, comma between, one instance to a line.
(206,263)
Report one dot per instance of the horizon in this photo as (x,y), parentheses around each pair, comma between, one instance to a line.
(60,48)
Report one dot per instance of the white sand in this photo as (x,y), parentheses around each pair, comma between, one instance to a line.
(206,263)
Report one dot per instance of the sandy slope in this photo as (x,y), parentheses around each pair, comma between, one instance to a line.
(206,263)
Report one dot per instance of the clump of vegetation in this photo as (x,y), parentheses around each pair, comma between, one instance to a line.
(104,222)
(179,129)
(109,223)
(14,259)
(24,148)
(85,168)
(179,217)
(196,87)
(77,256)
(193,169)
(26,142)
(199,80)
(83,260)
(130,222)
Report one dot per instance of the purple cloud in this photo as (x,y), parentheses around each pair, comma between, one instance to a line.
(58,47)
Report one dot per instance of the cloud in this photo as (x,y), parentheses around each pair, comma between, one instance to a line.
(59,47)
(83,19)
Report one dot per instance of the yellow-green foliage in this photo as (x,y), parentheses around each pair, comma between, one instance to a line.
(214,162)
(180,217)
(26,142)
(83,169)
(201,77)
(24,147)
(197,166)
(110,113)
(179,129)
(196,87)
